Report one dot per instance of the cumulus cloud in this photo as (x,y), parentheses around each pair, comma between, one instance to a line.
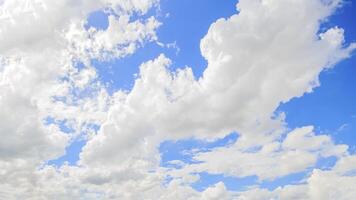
(335,183)
(41,88)
(299,151)
(43,21)
(269,52)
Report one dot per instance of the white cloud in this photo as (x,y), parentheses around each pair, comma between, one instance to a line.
(241,87)
(43,19)
(252,69)
(328,184)
(268,53)
(39,80)
(121,38)
(217,192)
(298,152)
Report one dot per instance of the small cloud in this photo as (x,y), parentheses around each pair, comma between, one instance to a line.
(172,45)
(343,127)
(178,163)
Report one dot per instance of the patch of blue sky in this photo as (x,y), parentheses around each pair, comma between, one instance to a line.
(326,163)
(63,125)
(184,150)
(79,65)
(98,20)
(291,179)
(71,155)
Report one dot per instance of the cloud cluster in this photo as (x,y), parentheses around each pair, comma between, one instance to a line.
(269,52)
(42,89)
(328,184)
(299,151)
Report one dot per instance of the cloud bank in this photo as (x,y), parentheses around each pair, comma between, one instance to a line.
(267,53)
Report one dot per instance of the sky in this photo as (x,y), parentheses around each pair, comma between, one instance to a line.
(178,99)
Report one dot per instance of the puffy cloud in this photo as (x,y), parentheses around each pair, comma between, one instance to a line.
(44,22)
(305,139)
(27,142)
(122,37)
(218,191)
(299,151)
(42,90)
(239,91)
(242,86)
(290,192)
(322,184)
(252,68)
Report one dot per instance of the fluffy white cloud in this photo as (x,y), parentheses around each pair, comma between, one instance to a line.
(40,87)
(122,37)
(299,151)
(36,24)
(216,192)
(268,53)
(26,141)
(336,183)
(242,86)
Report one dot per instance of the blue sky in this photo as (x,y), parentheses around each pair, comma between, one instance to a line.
(331,108)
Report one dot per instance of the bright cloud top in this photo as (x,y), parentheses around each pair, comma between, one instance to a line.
(267,53)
